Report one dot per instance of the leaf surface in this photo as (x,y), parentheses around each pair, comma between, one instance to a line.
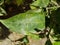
(41,3)
(25,22)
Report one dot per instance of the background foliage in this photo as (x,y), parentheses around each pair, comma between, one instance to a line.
(34,18)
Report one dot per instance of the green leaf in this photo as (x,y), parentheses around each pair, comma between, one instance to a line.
(2,12)
(1,2)
(40,3)
(56,43)
(19,2)
(26,22)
